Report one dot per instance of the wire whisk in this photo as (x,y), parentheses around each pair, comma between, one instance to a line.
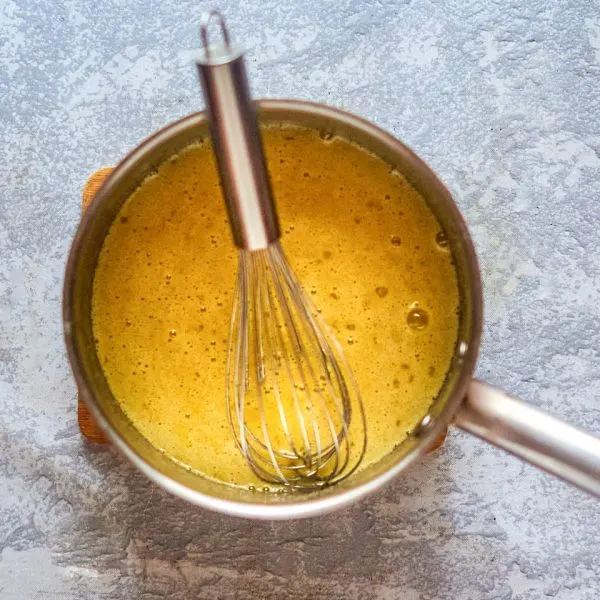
(294,407)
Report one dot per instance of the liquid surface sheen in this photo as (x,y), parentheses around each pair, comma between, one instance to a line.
(360,239)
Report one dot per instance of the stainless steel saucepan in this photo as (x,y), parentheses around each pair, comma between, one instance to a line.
(463,401)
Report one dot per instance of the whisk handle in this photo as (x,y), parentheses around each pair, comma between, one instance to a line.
(237,143)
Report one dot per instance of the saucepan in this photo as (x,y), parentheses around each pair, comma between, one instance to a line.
(463,401)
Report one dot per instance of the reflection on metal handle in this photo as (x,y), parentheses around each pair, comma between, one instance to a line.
(237,142)
(531,434)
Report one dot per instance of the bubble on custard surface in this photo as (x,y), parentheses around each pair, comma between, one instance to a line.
(441,239)
(417,318)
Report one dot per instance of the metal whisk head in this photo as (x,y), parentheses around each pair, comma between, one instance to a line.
(293,404)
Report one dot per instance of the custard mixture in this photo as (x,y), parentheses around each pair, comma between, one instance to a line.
(357,235)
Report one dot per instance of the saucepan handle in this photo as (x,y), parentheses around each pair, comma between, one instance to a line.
(531,434)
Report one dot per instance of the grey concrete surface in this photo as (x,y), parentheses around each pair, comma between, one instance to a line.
(502,99)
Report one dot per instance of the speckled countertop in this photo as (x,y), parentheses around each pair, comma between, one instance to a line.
(502,100)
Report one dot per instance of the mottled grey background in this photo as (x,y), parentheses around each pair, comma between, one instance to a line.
(503,102)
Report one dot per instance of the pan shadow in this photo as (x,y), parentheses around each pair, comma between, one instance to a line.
(163,546)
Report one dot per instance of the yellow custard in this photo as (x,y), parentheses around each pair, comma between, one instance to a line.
(357,235)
